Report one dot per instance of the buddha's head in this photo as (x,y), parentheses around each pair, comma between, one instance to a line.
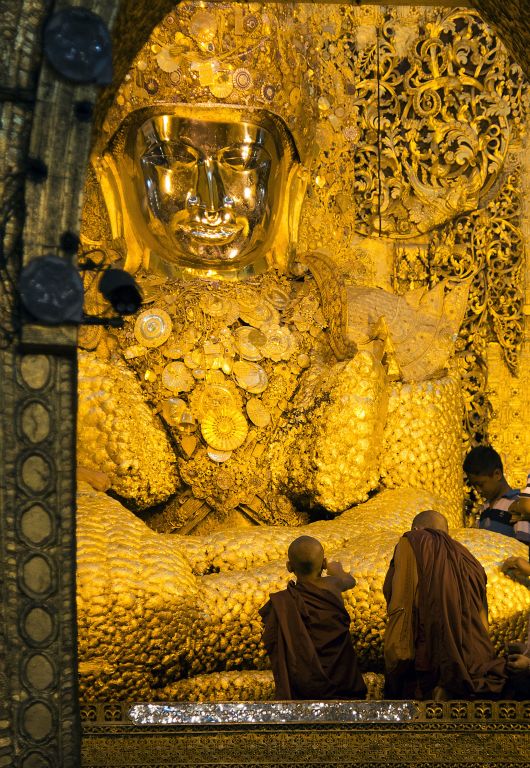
(203,162)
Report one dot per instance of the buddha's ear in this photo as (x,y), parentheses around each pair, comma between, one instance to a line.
(286,238)
(118,212)
(289,567)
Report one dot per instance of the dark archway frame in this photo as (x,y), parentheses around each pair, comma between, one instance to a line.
(39,710)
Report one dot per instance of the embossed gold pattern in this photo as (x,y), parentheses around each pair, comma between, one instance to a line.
(486,246)
(152,328)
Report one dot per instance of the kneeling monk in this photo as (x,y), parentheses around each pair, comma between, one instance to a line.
(437,642)
(307,629)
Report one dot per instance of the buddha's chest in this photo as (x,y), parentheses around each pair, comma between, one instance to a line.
(219,362)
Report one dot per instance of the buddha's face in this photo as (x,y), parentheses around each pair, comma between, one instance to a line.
(211,188)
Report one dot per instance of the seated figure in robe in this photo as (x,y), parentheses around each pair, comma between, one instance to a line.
(437,642)
(307,629)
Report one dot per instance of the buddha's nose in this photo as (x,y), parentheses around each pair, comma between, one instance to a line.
(210,192)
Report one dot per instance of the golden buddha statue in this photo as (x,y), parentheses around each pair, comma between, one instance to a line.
(261,384)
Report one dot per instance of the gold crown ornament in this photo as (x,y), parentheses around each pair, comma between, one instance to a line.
(247,56)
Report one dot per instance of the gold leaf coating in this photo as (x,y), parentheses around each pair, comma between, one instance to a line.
(211,613)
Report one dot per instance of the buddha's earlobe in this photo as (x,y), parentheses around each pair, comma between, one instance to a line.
(118,213)
(286,239)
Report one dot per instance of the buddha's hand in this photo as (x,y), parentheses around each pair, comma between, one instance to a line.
(335,455)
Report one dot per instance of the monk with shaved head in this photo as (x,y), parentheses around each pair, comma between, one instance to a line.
(437,643)
(307,629)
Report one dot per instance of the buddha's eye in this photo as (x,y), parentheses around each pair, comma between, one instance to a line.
(170,154)
(244,157)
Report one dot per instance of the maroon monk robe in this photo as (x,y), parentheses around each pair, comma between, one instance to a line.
(452,645)
(307,636)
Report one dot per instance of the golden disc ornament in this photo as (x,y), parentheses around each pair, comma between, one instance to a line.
(172,410)
(261,314)
(211,397)
(177,377)
(224,429)
(279,342)
(219,307)
(278,297)
(222,85)
(153,327)
(257,413)
(250,376)
(219,457)
(248,340)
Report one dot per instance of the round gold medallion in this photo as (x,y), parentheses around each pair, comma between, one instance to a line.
(279,342)
(248,340)
(172,410)
(212,397)
(250,376)
(222,85)
(224,429)
(152,327)
(263,313)
(257,413)
(219,307)
(177,377)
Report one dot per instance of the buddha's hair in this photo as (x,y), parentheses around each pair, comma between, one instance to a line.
(482,460)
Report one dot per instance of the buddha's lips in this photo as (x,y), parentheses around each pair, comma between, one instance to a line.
(217,235)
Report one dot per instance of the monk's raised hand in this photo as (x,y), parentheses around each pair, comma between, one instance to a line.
(336,571)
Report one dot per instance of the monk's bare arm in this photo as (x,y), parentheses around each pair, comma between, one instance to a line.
(343,579)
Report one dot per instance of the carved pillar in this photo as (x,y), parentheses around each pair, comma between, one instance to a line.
(38,408)
(41,119)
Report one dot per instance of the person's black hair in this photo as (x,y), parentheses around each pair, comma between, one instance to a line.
(482,460)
